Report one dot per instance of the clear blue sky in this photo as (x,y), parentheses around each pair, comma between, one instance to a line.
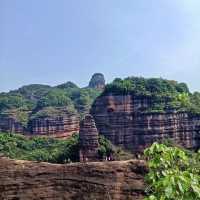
(53,41)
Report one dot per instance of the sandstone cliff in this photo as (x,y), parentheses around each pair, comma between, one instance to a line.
(55,127)
(23,180)
(26,110)
(121,120)
(58,126)
(9,124)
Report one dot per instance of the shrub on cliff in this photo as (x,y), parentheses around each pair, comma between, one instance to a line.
(107,149)
(163,95)
(173,173)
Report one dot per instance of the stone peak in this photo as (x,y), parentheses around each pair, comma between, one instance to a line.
(97,81)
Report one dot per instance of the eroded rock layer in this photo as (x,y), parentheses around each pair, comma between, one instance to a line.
(9,124)
(121,120)
(57,127)
(88,139)
(48,126)
(119,180)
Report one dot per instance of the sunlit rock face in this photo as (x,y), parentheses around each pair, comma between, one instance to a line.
(88,139)
(97,81)
(121,120)
(25,180)
(55,127)
(58,127)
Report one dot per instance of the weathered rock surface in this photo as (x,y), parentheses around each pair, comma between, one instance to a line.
(119,118)
(97,81)
(9,124)
(88,139)
(119,180)
(49,126)
(55,127)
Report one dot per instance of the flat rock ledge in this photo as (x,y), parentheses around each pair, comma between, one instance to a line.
(27,180)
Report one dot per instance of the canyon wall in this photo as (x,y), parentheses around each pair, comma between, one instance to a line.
(121,120)
(25,180)
(9,124)
(58,127)
(55,127)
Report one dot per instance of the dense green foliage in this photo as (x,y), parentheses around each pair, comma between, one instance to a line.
(146,87)
(164,95)
(107,149)
(174,173)
(49,149)
(42,100)
(39,148)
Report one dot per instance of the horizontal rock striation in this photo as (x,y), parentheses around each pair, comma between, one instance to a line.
(9,124)
(89,136)
(121,120)
(57,126)
(119,180)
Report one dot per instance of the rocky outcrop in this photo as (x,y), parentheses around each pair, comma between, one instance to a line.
(55,127)
(11,125)
(97,81)
(121,120)
(119,180)
(88,139)
(59,127)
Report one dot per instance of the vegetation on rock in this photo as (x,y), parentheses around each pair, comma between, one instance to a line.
(51,150)
(42,100)
(164,95)
(107,149)
(174,173)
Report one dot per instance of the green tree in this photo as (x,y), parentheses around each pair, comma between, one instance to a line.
(56,97)
(173,173)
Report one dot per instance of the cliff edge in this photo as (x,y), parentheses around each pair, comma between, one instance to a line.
(118,180)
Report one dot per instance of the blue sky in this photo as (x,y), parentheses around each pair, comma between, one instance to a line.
(54,41)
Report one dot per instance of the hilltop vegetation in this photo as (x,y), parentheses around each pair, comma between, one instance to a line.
(164,95)
(42,100)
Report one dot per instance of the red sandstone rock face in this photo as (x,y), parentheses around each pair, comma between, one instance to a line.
(88,139)
(119,118)
(59,127)
(119,180)
(9,124)
(56,127)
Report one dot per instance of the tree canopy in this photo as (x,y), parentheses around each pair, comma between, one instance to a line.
(42,100)
(174,173)
(164,95)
